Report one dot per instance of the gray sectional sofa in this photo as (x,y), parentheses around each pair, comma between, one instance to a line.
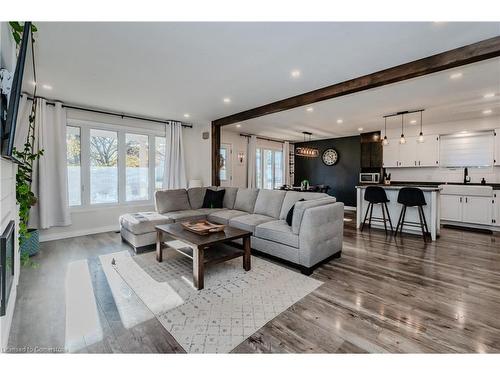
(315,234)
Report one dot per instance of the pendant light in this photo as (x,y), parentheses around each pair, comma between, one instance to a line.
(385,142)
(308,152)
(402,140)
(421,135)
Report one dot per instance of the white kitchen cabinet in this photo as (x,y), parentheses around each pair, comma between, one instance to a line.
(428,152)
(408,152)
(477,210)
(467,209)
(496,208)
(412,153)
(497,147)
(391,154)
(451,207)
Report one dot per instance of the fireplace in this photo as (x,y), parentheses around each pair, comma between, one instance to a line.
(7,246)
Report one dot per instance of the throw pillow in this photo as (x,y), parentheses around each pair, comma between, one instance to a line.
(213,199)
(289,216)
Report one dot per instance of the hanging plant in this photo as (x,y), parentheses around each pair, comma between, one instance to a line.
(27,156)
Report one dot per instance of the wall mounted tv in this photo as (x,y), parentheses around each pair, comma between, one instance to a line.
(12,88)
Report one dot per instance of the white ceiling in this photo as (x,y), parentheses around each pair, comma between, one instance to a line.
(169,69)
(444,99)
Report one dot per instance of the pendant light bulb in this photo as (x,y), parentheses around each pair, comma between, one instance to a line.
(385,141)
(402,140)
(421,135)
(420,138)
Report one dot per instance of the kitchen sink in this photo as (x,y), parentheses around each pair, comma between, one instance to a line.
(470,190)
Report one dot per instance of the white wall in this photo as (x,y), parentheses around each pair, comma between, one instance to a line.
(95,220)
(491,174)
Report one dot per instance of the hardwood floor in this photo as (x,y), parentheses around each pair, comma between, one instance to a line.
(382,295)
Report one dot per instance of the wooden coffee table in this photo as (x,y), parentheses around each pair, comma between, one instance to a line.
(200,243)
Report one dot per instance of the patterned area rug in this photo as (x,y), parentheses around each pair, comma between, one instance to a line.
(232,307)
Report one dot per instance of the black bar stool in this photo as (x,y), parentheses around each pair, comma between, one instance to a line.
(376,195)
(412,197)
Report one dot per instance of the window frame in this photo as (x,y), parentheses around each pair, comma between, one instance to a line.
(121,130)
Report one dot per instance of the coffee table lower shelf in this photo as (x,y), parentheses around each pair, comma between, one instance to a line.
(205,249)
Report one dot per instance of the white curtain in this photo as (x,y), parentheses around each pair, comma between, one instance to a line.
(251,173)
(50,180)
(175,169)
(286,162)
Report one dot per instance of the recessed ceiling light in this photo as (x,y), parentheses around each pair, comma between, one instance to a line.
(487,111)
(295,73)
(464,132)
(360,129)
(456,75)
(226,100)
(309,109)
(187,115)
(238,125)
(489,95)
(340,121)
(47,87)
(413,121)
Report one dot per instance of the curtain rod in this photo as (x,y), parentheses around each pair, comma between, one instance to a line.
(263,138)
(122,115)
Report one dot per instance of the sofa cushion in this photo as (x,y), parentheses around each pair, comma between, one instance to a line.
(171,200)
(292,197)
(249,222)
(209,211)
(185,215)
(213,198)
(143,222)
(245,200)
(223,216)
(229,197)
(195,196)
(269,202)
(300,208)
(277,231)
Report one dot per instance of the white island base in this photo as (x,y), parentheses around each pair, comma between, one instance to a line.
(431,210)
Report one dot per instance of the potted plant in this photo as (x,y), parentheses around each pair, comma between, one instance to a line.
(28,237)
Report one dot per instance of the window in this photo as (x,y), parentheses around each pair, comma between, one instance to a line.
(103,166)
(73,157)
(269,168)
(112,165)
(136,167)
(225,162)
(160,149)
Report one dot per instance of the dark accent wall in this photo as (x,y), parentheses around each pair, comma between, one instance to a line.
(341,177)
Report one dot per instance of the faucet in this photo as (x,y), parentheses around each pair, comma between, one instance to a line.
(466,175)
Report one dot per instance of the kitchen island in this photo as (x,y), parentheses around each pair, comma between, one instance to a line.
(431,210)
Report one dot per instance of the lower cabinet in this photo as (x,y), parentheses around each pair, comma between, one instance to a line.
(467,209)
(496,208)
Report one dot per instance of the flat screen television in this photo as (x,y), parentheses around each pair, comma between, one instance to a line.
(10,98)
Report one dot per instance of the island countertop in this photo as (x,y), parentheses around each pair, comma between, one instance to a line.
(400,186)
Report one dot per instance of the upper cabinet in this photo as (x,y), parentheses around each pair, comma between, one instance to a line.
(371,150)
(497,147)
(412,153)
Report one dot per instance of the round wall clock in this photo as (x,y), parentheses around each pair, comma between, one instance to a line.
(330,157)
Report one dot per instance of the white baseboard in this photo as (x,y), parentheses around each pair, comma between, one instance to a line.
(77,233)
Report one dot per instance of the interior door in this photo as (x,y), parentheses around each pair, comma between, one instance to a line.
(477,210)
(451,207)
